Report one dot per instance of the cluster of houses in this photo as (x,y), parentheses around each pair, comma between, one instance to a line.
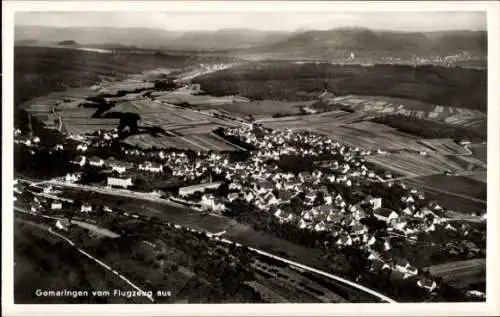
(260,182)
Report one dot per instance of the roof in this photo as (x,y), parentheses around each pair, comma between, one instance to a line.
(383,212)
(426,282)
(401,262)
(266,184)
(284,195)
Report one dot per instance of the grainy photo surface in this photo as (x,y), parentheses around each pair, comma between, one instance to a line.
(250,157)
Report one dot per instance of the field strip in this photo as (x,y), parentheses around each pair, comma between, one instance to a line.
(218,137)
(417,184)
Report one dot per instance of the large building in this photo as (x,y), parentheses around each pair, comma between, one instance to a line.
(184,191)
(120,182)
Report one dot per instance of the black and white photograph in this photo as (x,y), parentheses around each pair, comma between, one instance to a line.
(184,154)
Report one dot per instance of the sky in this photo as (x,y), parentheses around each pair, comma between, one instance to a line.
(283,21)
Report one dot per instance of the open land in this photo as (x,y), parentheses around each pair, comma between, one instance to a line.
(160,244)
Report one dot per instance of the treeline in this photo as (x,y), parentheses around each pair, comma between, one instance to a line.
(430,129)
(456,87)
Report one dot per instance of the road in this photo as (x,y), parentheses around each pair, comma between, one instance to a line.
(73,244)
(328,275)
(221,234)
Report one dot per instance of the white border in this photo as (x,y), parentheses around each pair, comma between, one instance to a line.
(492,305)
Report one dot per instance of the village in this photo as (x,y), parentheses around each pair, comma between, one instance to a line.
(331,195)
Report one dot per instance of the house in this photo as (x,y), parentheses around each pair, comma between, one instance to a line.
(450,227)
(235,185)
(379,265)
(320,226)
(96,161)
(249,196)
(385,214)
(263,187)
(151,167)
(80,160)
(358,229)
(209,202)
(284,196)
(188,190)
(376,203)
(70,178)
(344,240)
(56,205)
(427,284)
(232,196)
(86,208)
(399,223)
(119,181)
(407,199)
(404,267)
(302,224)
(63,224)
(305,177)
(82,147)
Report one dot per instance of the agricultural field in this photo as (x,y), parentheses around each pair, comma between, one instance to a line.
(479,176)
(195,142)
(182,96)
(479,151)
(467,118)
(455,184)
(416,165)
(260,109)
(461,274)
(445,146)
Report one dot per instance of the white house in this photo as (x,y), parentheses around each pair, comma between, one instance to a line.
(96,161)
(56,205)
(86,208)
(151,167)
(385,214)
(82,147)
(427,283)
(120,182)
(80,160)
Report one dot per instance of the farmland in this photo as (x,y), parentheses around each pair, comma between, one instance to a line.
(445,146)
(479,151)
(260,109)
(456,184)
(412,108)
(461,274)
(450,87)
(416,165)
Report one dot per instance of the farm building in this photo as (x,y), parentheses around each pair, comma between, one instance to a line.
(86,208)
(183,191)
(80,160)
(120,182)
(62,224)
(427,283)
(96,161)
(151,167)
(385,214)
(56,205)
